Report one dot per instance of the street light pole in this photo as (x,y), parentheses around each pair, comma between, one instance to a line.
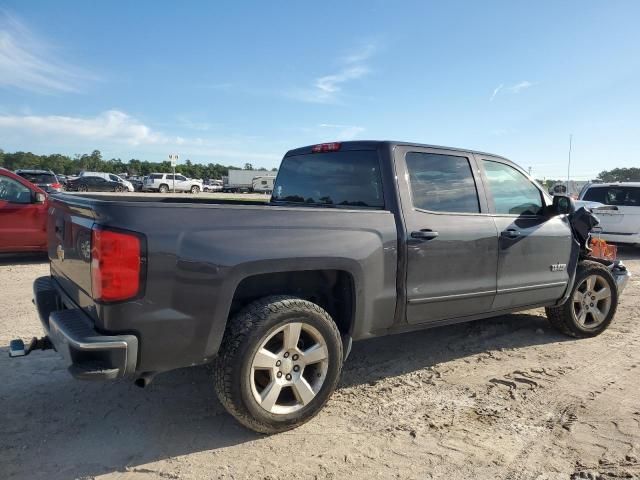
(569,164)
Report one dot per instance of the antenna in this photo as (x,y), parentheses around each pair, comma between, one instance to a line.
(569,164)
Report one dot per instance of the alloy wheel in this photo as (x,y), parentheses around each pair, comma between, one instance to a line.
(289,368)
(591,301)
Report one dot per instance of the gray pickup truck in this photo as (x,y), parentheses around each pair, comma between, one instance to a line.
(360,239)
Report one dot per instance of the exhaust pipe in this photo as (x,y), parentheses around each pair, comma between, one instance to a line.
(145,379)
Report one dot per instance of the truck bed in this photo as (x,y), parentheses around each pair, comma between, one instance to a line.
(196,253)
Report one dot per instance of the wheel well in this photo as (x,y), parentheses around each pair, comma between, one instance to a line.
(333,290)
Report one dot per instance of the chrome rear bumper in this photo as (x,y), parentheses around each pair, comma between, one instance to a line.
(621,275)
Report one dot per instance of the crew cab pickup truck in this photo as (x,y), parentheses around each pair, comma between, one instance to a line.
(360,239)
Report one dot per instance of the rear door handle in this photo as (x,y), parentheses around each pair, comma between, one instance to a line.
(425,234)
(511,233)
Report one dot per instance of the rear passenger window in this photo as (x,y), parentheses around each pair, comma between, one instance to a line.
(156,176)
(442,183)
(512,192)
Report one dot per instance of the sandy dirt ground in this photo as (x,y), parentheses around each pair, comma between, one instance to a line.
(506,398)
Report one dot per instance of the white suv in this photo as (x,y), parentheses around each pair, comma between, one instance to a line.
(621,222)
(164,183)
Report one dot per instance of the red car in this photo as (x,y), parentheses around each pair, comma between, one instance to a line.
(23,215)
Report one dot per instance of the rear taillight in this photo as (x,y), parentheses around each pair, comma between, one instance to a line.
(116,265)
(57,186)
(326,147)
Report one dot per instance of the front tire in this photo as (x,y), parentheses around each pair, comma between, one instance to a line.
(195,189)
(279,363)
(592,304)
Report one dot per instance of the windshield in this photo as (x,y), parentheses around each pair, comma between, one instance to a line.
(350,178)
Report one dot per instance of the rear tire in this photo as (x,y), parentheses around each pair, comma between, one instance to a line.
(279,362)
(591,305)
(164,189)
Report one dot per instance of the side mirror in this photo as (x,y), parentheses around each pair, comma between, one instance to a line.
(39,197)
(563,204)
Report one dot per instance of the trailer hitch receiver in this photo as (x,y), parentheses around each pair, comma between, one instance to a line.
(17,348)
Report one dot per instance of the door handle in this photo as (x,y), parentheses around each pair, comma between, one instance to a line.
(425,234)
(511,233)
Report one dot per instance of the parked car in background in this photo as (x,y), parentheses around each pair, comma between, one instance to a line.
(23,214)
(575,187)
(620,222)
(45,179)
(212,186)
(165,182)
(128,186)
(62,179)
(94,184)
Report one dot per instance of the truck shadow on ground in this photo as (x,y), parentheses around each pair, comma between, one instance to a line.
(7,259)
(70,429)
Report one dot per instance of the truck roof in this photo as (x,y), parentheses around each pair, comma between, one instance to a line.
(375,144)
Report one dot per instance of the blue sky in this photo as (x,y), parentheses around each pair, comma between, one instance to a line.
(236,82)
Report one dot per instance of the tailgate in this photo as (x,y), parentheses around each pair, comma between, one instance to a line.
(69,246)
(623,220)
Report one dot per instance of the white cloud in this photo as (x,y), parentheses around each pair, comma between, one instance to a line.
(327,88)
(113,125)
(518,87)
(495,92)
(343,132)
(27,62)
(115,128)
(515,89)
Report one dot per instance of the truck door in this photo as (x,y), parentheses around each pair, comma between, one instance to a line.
(452,241)
(535,249)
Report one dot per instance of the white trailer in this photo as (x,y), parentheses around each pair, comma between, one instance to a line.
(263,184)
(242,180)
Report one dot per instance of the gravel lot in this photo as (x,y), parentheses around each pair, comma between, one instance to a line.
(505,398)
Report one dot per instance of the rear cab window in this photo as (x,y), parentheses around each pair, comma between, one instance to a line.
(347,179)
(39,178)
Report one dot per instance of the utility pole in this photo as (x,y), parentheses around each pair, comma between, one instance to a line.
(569,164)
(529,171)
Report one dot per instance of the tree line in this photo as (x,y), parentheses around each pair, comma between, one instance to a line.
(66,165)
(631,174)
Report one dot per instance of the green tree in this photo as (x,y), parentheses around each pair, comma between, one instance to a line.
(623,174)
